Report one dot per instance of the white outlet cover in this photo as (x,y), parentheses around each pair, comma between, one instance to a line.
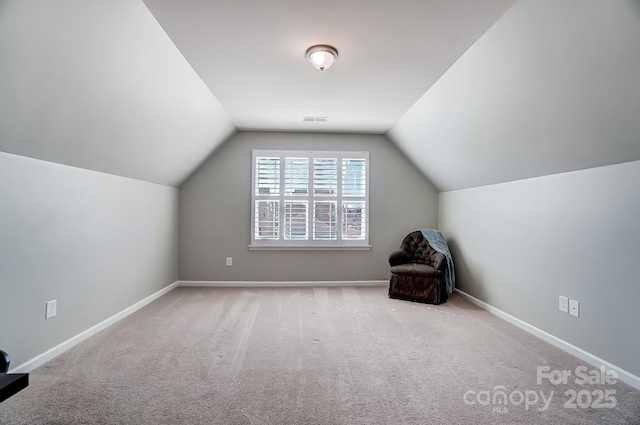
(574,308)
(563,304)
(229,261)
(52,307)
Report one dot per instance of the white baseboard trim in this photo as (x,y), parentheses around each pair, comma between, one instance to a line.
(41,359)
(280,284)
(625,376)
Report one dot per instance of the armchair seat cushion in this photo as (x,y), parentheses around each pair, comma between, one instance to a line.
(416,270)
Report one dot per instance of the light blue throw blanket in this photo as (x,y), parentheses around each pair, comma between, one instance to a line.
(437,242)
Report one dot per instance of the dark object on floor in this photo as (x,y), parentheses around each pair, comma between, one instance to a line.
(417,271)
(10,383)
(4,362)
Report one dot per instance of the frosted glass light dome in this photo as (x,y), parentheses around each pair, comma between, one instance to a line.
(321,56)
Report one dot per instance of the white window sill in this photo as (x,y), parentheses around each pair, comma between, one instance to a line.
(310,247)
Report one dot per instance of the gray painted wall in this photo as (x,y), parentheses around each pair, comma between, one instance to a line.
(97,243)
(215,211)
(519,245)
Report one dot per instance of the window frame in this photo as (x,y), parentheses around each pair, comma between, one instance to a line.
(310,244)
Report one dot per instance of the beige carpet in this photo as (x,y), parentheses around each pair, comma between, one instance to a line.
(311,356)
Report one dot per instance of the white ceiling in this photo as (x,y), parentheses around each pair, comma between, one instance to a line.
(250,53)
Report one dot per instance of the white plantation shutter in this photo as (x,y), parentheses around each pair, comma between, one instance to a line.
(267,220)
(267,176)
(325,185)
(296,220)
(325,176)
(266,185)
(324,221)
(310,199)
(354,220)
(354,192)
(296,205)
(354,181)
(296,176)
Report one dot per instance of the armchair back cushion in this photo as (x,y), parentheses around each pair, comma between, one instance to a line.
(418,249)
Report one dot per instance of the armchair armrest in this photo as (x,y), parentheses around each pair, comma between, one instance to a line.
(398,257)
(441,262)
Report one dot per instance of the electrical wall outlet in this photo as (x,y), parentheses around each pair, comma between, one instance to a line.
(229,261)
(52,309)
(563,304)
(574,308)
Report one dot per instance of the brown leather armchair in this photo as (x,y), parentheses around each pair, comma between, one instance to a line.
(417,271)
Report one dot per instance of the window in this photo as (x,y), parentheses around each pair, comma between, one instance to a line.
(313,200)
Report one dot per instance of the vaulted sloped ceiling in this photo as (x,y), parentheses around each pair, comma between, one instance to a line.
(251,54)
(99,85)
(552,87)
(149,90)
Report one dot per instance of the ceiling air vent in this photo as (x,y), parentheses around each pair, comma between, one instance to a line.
(314,120)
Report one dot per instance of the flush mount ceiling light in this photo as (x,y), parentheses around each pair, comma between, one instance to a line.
(322,56)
